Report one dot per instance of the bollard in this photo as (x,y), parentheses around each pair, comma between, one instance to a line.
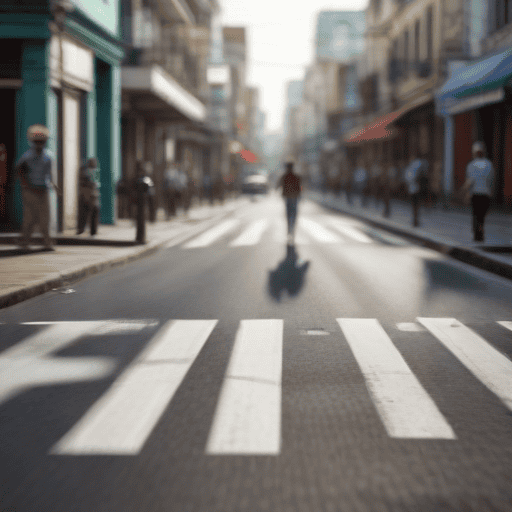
(142,188)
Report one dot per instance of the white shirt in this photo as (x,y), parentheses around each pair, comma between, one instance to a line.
(481,172)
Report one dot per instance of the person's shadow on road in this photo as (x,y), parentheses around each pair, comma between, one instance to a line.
(289,275)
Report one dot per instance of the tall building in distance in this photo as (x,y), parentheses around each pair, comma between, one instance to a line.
(339,35)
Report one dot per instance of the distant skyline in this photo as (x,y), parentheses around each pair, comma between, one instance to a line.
(280,39)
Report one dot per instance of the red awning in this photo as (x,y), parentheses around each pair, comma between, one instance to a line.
(376,130)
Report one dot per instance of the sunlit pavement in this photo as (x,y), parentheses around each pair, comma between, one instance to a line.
(229,371)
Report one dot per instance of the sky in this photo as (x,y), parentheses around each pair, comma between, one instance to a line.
(280,43)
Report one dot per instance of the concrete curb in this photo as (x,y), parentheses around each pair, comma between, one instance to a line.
(475,257)
(61,279)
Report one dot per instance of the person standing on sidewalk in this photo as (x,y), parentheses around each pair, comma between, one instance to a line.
(417,183)
(479,181)
(291,185)
(35,171)
(88,197)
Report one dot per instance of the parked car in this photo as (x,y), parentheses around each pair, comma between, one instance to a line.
(255,184)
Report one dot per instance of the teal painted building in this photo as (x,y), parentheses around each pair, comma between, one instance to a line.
(68,78)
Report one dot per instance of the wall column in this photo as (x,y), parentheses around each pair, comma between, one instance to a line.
(32,103)
(108,128)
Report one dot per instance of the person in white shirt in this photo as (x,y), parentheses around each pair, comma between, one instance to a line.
(480,178)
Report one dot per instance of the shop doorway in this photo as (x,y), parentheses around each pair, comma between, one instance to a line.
(7,160)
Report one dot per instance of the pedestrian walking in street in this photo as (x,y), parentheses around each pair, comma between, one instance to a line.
(88,197)
(479,184)
(35,171)
(291,185)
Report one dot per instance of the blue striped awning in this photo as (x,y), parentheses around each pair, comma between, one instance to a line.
(478,84)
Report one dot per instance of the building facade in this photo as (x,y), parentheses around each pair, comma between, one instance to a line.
(409,46)
(165,89)
(60,66)
(476,100)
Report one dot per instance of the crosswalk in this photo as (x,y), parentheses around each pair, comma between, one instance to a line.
(325,229)
(247,417)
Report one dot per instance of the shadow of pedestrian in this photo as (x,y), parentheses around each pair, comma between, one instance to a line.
(289,275)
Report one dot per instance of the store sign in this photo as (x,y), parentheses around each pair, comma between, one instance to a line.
(104,12)
(77,64)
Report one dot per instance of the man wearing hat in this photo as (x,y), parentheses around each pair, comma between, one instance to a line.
(479,179)
(35,170)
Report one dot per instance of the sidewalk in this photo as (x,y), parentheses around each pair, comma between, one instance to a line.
(447,230)
(23,276)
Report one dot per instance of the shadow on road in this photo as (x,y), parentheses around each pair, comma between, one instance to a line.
(442,276)
(289,275)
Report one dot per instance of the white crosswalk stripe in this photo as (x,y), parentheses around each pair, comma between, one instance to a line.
(318,232)
(248,415)
(213,234)
(307,230)
(122,419)
(488,365)
(252,235)
(280,231)
(405,408)
(349,231)
(247,418)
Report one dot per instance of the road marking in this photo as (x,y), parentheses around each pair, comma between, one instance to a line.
(247,419)
(28,364)
(281,231)
(252,235)
(123,418)
(406,409)
(213,234)
(103,327)
(507,325)
(318,232)
(486,363)
(350,232)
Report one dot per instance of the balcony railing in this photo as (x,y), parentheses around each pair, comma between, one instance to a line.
(179,62)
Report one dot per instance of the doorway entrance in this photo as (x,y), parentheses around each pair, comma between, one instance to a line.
(7,160)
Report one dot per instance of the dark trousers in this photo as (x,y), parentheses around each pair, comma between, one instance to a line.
(291,213)
(87,212)
(480,205)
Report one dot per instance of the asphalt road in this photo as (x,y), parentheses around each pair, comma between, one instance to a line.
(351,371)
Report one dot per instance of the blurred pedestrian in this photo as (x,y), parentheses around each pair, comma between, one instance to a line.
(361,184)
(208,188)
(35,171)
(172,188)
(151,194)
(218,188)
(417,183)
(479,182)
(88,197)
(291,186)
